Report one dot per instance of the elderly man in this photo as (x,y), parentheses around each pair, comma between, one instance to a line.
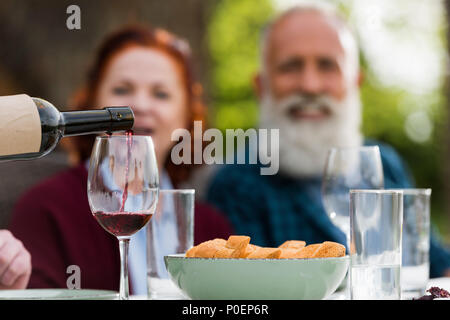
(309,89)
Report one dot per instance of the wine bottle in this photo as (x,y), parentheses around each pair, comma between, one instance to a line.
(30,127)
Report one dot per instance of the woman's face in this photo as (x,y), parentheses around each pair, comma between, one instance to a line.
(150,82)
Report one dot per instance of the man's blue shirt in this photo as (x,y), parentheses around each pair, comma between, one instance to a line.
(274,208)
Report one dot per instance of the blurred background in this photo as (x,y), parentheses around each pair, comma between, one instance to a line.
(404,56)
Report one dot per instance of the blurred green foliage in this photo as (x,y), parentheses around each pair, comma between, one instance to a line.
(384,115)
(233,40)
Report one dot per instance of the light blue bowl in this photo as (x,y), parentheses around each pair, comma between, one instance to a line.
(256,279)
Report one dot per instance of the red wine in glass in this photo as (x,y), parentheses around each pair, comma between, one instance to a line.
(122,224)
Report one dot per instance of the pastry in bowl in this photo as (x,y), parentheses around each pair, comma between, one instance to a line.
(236,269)
(240,247)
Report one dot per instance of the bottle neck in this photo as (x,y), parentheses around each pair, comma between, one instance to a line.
(110,119)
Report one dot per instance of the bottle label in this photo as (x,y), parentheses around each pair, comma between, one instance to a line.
(20,125)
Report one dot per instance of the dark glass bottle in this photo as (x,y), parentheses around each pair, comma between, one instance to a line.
(55,124)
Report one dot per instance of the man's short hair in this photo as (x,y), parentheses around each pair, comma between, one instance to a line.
(346,34)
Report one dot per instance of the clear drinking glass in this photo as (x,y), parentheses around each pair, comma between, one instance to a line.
(123,190)
(415,242)
(375,244)
(171,231)
(349,168)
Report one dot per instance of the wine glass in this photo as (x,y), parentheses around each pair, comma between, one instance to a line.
(349,168)
(123,187)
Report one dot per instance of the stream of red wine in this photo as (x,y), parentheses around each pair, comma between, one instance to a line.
(129,136)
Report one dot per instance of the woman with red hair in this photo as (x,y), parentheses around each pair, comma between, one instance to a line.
(149,70)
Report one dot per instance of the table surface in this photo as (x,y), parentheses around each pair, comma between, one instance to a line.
(338,295)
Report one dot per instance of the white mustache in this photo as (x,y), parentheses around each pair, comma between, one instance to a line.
(305,103)
(303,144)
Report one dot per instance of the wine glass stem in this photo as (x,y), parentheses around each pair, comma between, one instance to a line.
(124,292)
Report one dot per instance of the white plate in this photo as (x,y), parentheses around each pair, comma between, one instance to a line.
(58,294)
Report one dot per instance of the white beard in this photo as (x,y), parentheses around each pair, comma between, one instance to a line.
(304,143)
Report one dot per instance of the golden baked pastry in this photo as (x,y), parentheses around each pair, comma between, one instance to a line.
(265,253)
(249,249)
(208,248)
(329,249)
(308,251)
(227,253)
(240,247)
(289,253)
(294,244)
(235,242)
(238,243)
(191,252)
